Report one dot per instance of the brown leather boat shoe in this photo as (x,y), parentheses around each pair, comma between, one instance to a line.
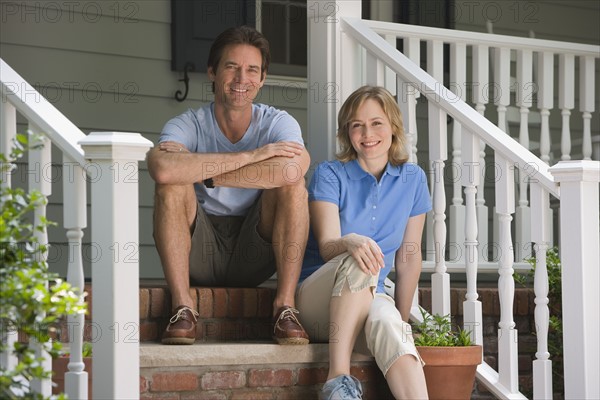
(182,327)
(287,329)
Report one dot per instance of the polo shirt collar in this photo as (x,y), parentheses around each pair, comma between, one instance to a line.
(355,171)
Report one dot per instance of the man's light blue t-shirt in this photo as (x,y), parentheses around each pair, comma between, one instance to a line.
(199,132)
(379,210)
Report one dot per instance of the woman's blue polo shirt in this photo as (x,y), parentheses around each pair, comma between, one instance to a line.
(379,210)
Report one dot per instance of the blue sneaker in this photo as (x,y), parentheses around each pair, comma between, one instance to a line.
(344,387)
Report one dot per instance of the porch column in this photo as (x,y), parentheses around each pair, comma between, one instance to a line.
(113,174)
(327,50)
(579,243)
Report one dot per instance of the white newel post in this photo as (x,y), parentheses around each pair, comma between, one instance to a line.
(113,174)
(579,244)
(327,85)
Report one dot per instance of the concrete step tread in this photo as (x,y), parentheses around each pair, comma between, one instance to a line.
(238,353)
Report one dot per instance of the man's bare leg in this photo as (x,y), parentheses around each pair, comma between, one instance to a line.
(174,216)
(284,221)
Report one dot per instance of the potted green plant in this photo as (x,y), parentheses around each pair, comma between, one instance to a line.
(32,299)
(450,358)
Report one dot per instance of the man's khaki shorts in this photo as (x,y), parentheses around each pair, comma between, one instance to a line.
(228,251)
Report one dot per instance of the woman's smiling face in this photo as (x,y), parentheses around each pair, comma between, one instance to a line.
(370,133)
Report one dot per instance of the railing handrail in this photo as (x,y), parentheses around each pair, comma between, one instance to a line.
(480,38)
(466,115)
(61,131)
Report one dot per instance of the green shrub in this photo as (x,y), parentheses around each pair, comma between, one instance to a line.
(31,298)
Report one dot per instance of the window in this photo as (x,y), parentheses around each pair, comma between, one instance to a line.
(283,22)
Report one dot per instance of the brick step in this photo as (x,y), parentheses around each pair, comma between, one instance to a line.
(261,371)
(238,314)
(226,314)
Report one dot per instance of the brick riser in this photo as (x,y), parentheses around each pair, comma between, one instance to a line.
(253,382)
(226,314)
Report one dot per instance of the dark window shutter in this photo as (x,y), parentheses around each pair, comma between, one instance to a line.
(196,23)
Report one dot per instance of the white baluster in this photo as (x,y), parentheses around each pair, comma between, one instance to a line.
(480,98)
(502,84)
(412,50)
(586,101)
(390,75)
(39,161)
(566,100)
(8,132)
(542,366)
(438,153)
(507,334)
(472,311)
(408,107)
(545,104)
(440,279)
(525,88)
(435,67)
(545,101)
(458,77)
(375,71)
(75,220)
(502,100)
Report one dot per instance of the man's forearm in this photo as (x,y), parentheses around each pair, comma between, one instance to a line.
(267,174)
(188,168)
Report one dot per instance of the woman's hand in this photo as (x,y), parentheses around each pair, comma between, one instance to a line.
(365,251)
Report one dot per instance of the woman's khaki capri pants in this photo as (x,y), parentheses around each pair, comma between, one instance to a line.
(385,335)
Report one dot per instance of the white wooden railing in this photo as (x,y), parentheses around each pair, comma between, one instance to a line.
(108,162)
(347,52)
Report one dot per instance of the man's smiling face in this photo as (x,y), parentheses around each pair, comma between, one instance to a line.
(239,76)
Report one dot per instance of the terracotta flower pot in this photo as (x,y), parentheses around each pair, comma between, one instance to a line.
(450,371)
(60,368)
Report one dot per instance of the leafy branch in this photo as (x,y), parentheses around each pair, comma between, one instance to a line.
(32,299)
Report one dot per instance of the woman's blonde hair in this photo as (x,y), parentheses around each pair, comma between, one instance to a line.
(397,153)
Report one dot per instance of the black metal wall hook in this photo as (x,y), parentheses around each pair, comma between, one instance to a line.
(186,80)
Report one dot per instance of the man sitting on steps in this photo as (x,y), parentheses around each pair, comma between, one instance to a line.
(230,198)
